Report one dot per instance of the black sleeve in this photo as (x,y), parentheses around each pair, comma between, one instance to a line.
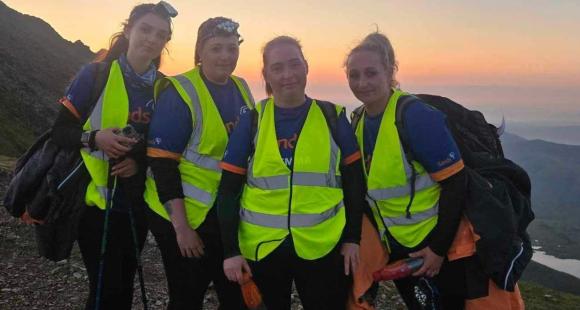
(139,154)
(354,188)
(67,130)
(451,205)
(228,211)
(167,178)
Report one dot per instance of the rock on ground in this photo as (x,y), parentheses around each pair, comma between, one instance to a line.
(31,282)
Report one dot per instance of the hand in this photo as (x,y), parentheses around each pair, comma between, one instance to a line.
(28,220)
(112,144)
(235,267)
(431,262)
(350,251)
(190,244)
(124,169)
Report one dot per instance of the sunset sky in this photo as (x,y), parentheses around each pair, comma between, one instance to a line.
(520,59)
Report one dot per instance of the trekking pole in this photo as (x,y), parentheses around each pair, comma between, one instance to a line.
(138,258)
(111,185)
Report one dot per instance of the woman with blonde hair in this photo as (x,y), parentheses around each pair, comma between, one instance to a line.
(416,184)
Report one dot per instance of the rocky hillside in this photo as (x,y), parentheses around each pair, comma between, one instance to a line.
(36,64)
(555,173)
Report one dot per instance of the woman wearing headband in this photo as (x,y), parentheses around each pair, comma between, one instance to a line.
(293,184)
(115,204)
(194,115)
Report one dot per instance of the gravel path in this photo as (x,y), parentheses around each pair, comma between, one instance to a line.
(30,282)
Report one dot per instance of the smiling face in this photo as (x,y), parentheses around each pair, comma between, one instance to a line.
(147,37)
(219,57)
(285,70)
(368,78)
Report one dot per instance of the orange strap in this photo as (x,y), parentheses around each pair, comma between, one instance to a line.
(373,256)
(464,243)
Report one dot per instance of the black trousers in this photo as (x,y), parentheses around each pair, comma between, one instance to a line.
(321,283)
(120,262)
(188,278)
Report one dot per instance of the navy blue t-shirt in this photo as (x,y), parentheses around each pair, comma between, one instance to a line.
(429,139)
(78,95)
(140,94)
(288,122)
(172,125)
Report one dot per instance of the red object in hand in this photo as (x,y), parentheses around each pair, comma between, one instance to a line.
(251,293)
(399,269)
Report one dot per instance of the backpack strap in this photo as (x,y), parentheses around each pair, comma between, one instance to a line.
(402,106)
(331,116)
(356,116)
(255,115)
(100,80)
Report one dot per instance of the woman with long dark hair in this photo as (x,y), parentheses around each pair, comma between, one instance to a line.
(194,115)
(113,228)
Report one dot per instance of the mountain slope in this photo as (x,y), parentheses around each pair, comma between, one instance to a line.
(554,170)
(555,173)
(36,64)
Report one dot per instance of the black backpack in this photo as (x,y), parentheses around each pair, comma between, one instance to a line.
(499,191)
(49,183)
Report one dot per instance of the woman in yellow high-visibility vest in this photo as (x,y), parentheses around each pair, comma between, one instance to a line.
(131,63)
(291,195)
(194,115)
(420,220)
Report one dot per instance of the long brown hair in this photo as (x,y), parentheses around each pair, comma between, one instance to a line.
(119,44)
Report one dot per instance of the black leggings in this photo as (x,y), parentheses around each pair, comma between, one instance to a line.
(188,278)
(321,283)
(120,262)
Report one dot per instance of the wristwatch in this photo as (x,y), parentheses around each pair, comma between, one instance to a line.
(85,137)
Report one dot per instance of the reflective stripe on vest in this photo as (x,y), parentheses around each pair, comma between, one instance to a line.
(305,202)
(191,153)
(329,179)
(191,191)
(281,221)
(417,217)
(199,163)
(389,185)
(111,110)
(422,182)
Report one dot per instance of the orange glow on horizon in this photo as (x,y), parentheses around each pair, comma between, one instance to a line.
(446,43)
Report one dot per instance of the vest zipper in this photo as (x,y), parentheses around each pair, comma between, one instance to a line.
(291,180)
(290,200)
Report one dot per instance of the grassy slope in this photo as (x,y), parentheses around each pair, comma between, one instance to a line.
(14,138)
(537,297)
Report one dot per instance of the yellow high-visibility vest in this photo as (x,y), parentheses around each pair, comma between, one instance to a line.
(199,163)
(306,202)
(111,110)
(388,183)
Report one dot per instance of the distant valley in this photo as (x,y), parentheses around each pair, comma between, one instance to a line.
(553,133)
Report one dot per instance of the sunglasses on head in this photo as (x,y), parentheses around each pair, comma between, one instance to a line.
(165,8)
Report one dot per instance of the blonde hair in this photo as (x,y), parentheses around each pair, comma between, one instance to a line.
(274,42)
(379,43)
